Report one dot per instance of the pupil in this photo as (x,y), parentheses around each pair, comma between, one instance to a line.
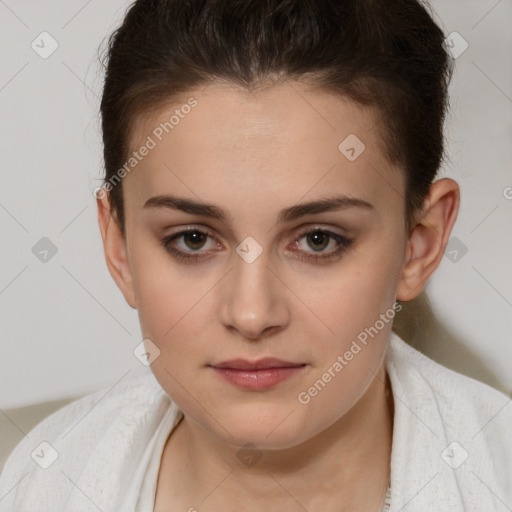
(317,237)
(195,238)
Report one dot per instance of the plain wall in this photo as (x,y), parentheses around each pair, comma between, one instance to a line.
(65,327)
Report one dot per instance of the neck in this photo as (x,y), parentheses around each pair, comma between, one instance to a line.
(344,467)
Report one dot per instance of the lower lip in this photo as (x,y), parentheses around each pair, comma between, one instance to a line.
(257,380)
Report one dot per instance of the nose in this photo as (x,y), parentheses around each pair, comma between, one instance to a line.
(253,300)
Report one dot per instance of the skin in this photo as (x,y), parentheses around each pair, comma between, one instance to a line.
(253,154)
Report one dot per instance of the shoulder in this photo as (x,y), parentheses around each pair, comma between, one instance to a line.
(423,374)
(65,441)
(100,407)
(454,415)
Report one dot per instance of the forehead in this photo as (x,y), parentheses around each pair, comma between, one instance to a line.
(287,140)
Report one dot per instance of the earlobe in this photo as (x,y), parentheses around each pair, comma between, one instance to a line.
(428,238)
(114,247)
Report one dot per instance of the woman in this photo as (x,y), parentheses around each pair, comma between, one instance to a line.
(269,202)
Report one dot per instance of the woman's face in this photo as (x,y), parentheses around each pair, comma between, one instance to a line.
(248,282)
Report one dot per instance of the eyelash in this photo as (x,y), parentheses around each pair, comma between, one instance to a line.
(343,244)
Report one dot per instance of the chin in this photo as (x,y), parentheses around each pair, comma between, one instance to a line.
(272,430)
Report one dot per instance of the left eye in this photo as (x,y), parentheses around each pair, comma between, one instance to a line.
(318,239)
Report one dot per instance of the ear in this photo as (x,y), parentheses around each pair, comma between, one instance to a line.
(428,238)
(114,247)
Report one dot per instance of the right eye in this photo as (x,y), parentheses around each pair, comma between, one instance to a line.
(193,239)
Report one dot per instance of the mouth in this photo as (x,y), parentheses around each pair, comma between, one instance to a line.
(259,364)
(257,375)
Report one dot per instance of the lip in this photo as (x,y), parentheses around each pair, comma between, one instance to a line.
(263,363)
(257,375)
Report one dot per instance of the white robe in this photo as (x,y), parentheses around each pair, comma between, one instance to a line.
(451,451)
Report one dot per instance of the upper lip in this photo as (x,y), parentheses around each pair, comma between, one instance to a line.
(266,362)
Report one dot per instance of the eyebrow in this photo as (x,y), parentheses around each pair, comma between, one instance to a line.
(285,215)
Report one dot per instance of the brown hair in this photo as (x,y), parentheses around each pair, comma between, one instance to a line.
(388,54)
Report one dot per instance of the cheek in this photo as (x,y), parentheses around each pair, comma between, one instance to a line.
(173,305)
(162,294)
(359,312)
(172,315)
(361,289)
